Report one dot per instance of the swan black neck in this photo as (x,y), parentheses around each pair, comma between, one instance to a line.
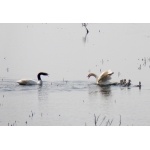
(41,73)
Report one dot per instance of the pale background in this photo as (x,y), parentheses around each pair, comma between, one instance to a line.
(102,11)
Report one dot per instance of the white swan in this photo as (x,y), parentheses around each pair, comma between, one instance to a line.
(32,82)
(104,78)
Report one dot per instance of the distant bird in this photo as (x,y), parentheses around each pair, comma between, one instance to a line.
(139,85)
(32,82)
(124,82)
(85,25)
(128,83)
(104,78)
(87,31)
(121,82)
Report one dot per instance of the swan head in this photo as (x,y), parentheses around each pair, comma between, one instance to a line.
(89,75)
(41,73)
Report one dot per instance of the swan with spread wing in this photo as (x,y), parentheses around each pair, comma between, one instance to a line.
(104,78)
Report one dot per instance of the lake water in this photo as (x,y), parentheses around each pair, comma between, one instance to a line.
(67,97)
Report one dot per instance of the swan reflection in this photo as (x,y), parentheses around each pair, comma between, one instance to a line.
(43,92)
(104,91)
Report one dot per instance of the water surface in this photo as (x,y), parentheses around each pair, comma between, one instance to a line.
(72,103)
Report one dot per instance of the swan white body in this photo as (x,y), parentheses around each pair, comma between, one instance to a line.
(32,82)
(104,78)
(29,82)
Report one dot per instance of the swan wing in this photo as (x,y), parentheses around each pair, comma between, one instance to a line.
(105,76)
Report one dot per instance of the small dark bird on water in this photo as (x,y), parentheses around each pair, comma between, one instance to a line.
(121,82)
(124,82)
(85,25)
(128,83)
(139,85)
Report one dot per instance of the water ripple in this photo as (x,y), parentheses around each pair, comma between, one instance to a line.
(11,86)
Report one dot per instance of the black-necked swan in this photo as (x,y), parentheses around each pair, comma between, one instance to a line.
(32,82)
(104,78)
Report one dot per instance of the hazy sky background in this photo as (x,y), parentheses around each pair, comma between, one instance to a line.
(58,49)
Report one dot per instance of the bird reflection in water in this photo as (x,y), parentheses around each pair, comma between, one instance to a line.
(105,90)
(85,38)
(100,90)
(43,92)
